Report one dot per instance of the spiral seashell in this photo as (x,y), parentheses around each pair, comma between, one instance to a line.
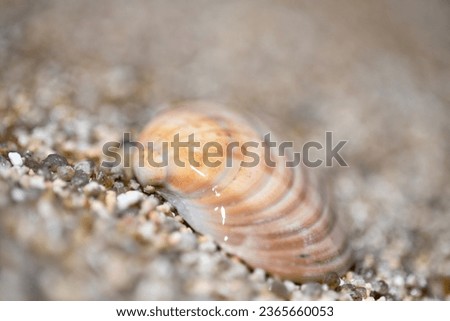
(272,217)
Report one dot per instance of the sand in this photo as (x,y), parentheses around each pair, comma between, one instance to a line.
(77,74)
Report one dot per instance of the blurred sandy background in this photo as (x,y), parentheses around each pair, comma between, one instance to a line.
(74,74)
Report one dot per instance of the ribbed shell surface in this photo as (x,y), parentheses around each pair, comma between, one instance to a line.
(272,217)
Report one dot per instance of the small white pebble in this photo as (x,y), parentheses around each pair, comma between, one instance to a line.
(329,296)
(15,159)
(258,275)
(357,280)
(134,185)
(297,295)
(236,270)
(175,238)
(59,188)
(128,199)
(206,264)
(59,183)
(187,241)
(149,189)
(147,230)
(399,281)
(290,286)
(189,258)
(78,200)
(415,292)
(411,280)
(208,246)
(93,188)
(37,182)
(421,281)
(99,209)
(349,275)
(46,209)
(85,166)
(148,204)
(165,208)
(18,195)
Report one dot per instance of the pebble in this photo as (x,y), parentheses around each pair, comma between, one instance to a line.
(4,162)
(356,296)
(298,295)
(59,188)
(174,238)
(329,295)
(237,270)
(189,258)
(147,231)
(15,159)
(346,287)
(332,280)
(37,182)
(165,208)
(208,246)
(134,185)
(86,166)
(80,178)
(361,291)
(421,281)
(206,263)
(66,173)
(415,292)
(411,280)
(149,189)
(399,281)
(119,187)
(258,275)
(290,286)
(381,287)
(105,179)
(357,280)
(93,189)
(368,273)
(99,208)
(188,241)
(148,204)
(128,199)
(18,195)
(279,289)
(311,289)
(31,163)
(76,201)
(53,161)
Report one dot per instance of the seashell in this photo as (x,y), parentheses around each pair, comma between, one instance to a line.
(272,217)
